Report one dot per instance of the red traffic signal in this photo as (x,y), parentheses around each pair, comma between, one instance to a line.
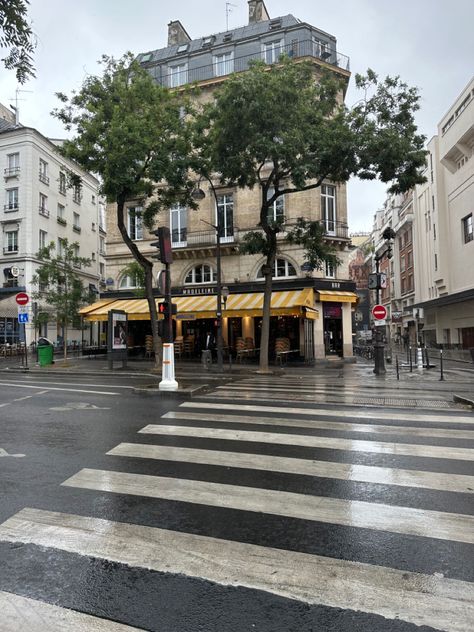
(164,244)
(164,308)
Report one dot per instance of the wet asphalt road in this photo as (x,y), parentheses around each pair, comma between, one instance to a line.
(63,424)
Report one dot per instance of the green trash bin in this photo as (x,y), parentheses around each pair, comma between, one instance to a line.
(45,354)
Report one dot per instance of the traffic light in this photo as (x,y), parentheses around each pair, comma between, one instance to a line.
(164,244)
(164,308)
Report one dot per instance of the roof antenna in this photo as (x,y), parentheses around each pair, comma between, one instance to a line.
(15,107)
(228,10)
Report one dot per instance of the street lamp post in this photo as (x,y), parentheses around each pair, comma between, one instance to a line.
(379,346)
(198,195)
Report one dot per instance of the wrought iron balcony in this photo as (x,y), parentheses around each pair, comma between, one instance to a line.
(183,74)
(12,206)
(11,172)
(43,178)
(43,211)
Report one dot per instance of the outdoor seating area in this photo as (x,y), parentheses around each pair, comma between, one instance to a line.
(8,350)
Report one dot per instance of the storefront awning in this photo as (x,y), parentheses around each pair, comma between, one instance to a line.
(337,296)
(288,303)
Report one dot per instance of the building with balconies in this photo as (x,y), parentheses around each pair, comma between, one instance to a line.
(444,229)
(316,314)
(39,209)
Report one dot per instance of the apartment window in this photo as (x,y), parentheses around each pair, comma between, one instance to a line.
(409,259)
(93,256)
(403,285)
(225,216)
(62,183)
(410,282)
(402,263)
(271,51)
(200,274)
(43,171)
(43,205)
(329,270)
(102,270)
(283,269)
(433,203)
(328,208)
(61,246)
(10,243)
(178,223)
(436,261)
(102,245)
(11,200)
(77,194)
(276,212)
(93,227)
(321,49)
(13,165)
(400,243)
(93,199)
(467,228)
(76,221)
(178,75)
(43,239)
(135,223)
(434,231)
(224,64)
(128,282)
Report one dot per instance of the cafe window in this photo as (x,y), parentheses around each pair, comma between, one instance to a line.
(200,275)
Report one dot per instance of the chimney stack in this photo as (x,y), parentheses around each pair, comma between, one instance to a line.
(257,11)
(177,34)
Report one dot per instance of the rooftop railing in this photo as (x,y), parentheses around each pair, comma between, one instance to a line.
(222,66)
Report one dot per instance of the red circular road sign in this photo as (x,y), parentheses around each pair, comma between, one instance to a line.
(379,312)
(22,298)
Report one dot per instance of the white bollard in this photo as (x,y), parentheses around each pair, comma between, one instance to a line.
(168,383)
(419,358)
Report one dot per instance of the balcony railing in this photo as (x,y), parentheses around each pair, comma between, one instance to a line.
(43,211)
(234,235)
(61,220)
(11,172)
(76,228)
(43,178)
(10,250)
(297,49)
(12,206)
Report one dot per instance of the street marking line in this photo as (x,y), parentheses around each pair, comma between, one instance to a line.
(312,441)
(36,381)
(5,453)
(453,418)
(431,600)
(351,513)
(55,388)
(324,469)
(323,425)
(24,613)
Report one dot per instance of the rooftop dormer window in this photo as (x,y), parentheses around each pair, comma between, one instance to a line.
(275,24)
(227,37)
(182,48)
(208,41)
(146,57)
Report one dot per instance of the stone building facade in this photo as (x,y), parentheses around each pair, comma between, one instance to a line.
(321,327)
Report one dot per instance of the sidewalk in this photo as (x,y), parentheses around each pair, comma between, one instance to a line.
(458,378)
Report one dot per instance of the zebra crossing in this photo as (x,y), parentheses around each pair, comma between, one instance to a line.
(237,515)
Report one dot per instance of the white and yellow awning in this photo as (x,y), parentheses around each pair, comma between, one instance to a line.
(286,303)
(337,296)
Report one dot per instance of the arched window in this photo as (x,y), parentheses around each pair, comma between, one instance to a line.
(128,282)
(283,269)
(200,274)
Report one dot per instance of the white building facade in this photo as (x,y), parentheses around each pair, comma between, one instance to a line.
(39,208)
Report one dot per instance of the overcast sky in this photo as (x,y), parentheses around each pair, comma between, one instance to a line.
(429,43)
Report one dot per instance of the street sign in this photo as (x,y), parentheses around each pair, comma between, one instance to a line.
(15,271)
(22,298)
(380,323)
(22,309)
(23,318)
(379,312)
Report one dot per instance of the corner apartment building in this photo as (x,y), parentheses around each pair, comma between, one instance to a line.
(313,309)
(39,208)
(444,229)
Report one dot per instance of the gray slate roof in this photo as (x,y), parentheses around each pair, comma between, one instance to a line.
(241,33)
(6,126)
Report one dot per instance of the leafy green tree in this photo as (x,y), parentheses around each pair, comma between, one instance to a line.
(132,133)
(59,285)
(17,37)
(136,272)
(285,129)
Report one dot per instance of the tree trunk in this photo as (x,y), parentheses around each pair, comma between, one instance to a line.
(267,300)
(65,342)
(148,269)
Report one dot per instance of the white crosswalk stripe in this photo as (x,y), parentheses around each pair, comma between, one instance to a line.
(187,464)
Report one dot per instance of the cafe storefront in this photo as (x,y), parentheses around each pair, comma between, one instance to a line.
(311,324)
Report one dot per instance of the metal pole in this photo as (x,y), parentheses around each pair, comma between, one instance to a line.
(379,364)
(441,379)
(169,324)
(411,361)
(427,358)
(396,364)
(219,293)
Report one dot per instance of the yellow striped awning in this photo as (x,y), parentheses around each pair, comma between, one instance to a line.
(90,308)
(286,303)
(337,296)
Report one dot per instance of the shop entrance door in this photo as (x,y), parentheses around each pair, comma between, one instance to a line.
(333,329)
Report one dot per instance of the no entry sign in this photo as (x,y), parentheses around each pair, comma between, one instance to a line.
(22,298)
(379,312)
